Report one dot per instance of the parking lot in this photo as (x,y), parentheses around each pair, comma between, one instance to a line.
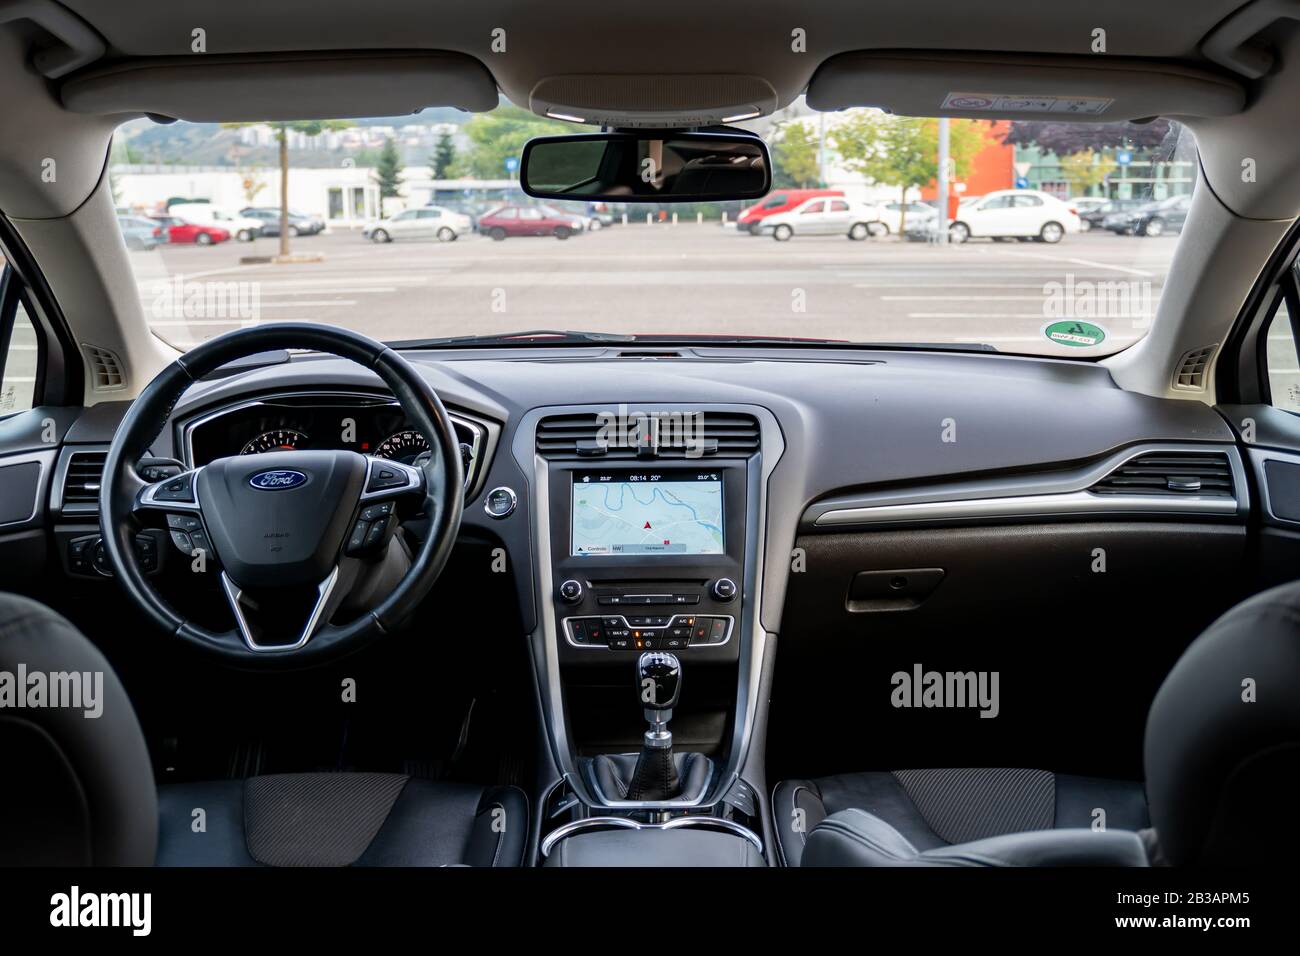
(687,278)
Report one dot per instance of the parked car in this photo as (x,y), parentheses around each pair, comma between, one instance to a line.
(783,200)
(426,222)
(893,220)
(180,231)
(823,216)
(530,221)
(140,233)
(300,224)
(243,228)
(1014,213)
(1093,215)
(1151,219)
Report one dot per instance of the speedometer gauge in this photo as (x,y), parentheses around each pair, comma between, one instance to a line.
(280,439)
(404,446)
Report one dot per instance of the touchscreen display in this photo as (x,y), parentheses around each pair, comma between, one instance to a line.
(624,513)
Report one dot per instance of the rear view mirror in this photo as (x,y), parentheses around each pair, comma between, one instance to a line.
(646,167)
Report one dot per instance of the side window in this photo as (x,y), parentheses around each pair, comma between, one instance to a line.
(1283,367)
(775,201)
(1028,201)
(19,362)
(839,205)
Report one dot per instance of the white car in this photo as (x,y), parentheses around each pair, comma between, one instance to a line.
(824,216)
(893,220)
(426,222)
(243,228)
(1015,214)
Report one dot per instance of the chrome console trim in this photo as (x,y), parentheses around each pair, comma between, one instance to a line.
(625,823)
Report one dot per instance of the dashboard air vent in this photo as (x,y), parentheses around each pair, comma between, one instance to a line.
(1192,368)
(1205,473)
(81,485)
(634,435)
(105,368)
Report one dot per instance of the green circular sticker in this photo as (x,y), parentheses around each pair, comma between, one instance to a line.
(1074,334)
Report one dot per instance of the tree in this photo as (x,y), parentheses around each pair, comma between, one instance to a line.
(795,155)
(903,151)
(307,128)
(500,135)
(388,170)
(1066,139)
(1087,168)
(443,158)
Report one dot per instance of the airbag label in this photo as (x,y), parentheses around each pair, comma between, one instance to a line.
(1026,103)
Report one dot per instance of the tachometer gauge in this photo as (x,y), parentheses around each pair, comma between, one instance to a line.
(404,446)
(281,439)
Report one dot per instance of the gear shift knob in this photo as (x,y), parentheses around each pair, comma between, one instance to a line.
(659,682)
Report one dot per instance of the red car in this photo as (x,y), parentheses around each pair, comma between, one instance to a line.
(530,221)
(178,230)
(779,200)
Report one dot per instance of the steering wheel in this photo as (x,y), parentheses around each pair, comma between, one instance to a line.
(290,533)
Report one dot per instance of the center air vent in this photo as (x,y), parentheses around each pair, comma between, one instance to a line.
(647,435)
(1205,473)
(81,485)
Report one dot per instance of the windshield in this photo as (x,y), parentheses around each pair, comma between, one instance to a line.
(844,247)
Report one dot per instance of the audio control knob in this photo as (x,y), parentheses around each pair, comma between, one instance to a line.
(571,591)
(724,589)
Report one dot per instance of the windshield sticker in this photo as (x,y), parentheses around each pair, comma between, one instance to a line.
(1027,103)
(1074,334)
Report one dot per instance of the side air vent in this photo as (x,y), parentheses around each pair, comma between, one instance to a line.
(1192,368)
(105,368)
(1204,473)
(81,485)
(643,435)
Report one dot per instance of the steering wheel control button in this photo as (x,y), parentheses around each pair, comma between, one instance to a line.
(381,510)
(184,522)
(500,502)
(571,591)
(375,534)
(357,540)
(724,589)
(182,541)
(180,488)
(384,477)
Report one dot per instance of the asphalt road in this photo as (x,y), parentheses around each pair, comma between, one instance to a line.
(687,278)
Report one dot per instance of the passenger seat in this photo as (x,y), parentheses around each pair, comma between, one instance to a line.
(937,808)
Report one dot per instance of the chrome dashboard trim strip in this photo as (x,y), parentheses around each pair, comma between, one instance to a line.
(1037,496)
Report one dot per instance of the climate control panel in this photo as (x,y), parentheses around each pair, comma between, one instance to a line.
(648,632)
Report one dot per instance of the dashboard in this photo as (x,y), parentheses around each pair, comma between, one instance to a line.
(371,425)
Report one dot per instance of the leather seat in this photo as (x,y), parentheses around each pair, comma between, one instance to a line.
(1222,761)
(936,809)
(79,790)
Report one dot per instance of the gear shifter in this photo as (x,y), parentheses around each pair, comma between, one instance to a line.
(659,682)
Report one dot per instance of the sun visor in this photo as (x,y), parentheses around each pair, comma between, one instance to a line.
(1097,89)
(251,88)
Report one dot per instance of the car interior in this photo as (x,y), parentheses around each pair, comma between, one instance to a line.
(932,605)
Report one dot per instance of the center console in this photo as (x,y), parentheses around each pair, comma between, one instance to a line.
(648,562)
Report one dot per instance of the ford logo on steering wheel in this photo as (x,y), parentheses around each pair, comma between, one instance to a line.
(275,480)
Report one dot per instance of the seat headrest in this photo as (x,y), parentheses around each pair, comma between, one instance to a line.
(1222,745)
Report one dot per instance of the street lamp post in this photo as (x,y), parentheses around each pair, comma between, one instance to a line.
(941,235)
